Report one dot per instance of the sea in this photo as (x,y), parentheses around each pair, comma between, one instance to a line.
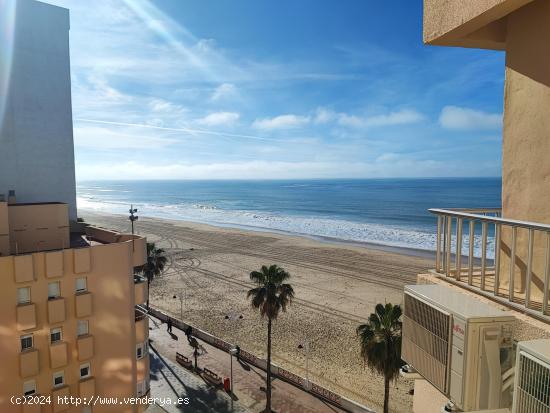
(385,212)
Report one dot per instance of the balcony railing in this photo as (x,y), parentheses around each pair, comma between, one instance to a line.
(505,259)
(139,313)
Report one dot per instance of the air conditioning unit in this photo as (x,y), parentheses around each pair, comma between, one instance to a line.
(532,381)
(461,345)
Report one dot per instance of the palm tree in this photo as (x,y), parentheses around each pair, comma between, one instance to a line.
(381,344)
(156,260)
(270,296)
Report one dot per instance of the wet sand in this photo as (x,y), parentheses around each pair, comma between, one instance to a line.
(337,286)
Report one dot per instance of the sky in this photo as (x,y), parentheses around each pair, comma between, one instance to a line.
(284,89)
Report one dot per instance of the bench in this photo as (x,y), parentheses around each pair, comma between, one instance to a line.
(212,377)
(183,361)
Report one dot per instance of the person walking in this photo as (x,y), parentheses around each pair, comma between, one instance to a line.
(169,325)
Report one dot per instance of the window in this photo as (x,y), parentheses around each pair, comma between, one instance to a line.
(59,379)
(24,295)
(85,371)
(81,327)
(142,387)
(55,335)
(81,285)
(26,342)
(29,388)
(141,350)
(53,290)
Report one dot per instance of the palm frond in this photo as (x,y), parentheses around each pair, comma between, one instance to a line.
(380,340)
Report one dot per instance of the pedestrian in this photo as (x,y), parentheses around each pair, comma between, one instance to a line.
(189,332)
(169,325)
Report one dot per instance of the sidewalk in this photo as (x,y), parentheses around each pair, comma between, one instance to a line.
(248,380)
(171,381)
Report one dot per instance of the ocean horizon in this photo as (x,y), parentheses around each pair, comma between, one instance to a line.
(389,212)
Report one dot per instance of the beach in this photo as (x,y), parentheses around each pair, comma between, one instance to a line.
(337,286)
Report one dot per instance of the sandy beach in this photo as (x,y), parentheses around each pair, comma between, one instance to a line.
(336,285)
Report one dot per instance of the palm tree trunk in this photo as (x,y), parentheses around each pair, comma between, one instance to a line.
(386,394)
(148,287)
(268,388)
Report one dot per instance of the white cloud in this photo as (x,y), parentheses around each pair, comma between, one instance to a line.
(323,115)
(402,117)
(224,91)
(161,105)
(384,166)
(219,118)
(454,117)
(288,121)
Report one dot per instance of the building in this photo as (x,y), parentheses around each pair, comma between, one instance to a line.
(36,126)
(69,324)
(70,317)
(512,270)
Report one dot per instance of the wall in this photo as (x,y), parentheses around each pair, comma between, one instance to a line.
(110,283)
(36,135)
(4,230)
(467,23)
(38,227)
(526,137)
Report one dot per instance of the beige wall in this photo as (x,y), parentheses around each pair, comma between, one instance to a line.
(38,227)
(4,230)
(111,323)
(526,136)
(468,23)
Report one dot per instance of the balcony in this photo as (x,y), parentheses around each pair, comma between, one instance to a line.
(86,388)
(24,268)
(56,310)
(54,264)
(26,316)
(57,395)
(503,259)
(85,346)
(81,260)
(32,408)
(28,363)
(83,304)
(142,326)
(140,289)
(58,355)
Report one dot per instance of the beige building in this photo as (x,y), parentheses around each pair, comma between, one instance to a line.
(512,271)
(69,321)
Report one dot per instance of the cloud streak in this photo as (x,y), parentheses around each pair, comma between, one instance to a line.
(184,130)
(454,117)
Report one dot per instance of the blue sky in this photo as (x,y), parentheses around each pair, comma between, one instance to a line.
(276,89)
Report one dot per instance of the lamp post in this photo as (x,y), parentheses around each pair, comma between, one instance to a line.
(234,351)
(180,295)
(305,346)
(233,316)
(133,218)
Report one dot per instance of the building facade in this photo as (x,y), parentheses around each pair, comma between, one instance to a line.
(514,275)
(70,322)
(36,126)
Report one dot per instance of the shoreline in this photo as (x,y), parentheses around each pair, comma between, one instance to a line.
(408,251)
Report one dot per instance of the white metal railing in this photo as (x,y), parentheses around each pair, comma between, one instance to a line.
(469,249)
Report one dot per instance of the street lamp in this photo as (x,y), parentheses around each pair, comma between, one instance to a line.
(305,345)
(180,295)
(233,352)
(233,316)
(133,218)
